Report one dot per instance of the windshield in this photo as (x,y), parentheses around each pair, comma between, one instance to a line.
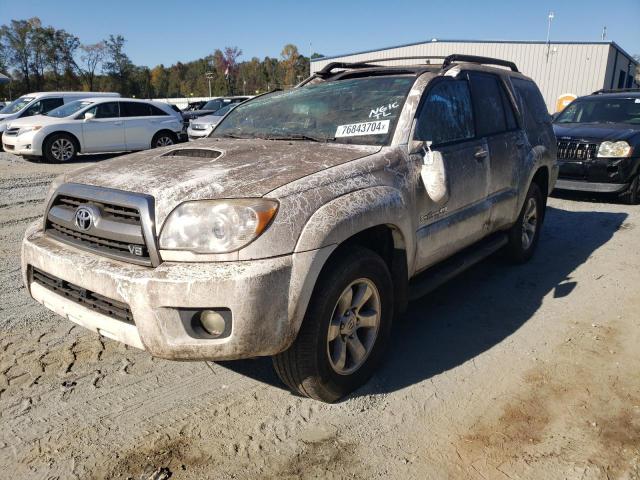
(17,105)
(213,105)
(68,109)
(602,110)
(360,111)
(225,110)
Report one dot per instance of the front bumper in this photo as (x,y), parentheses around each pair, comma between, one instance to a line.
(267,298)
(194,134)
(607,175)
(25,144)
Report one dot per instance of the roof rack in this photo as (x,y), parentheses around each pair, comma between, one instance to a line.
(480,60)
(446,62)
(615,90)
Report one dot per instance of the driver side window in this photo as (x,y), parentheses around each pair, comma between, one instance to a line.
(446,114)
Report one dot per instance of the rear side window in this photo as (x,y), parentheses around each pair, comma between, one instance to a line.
(49,104)
(156,111)
(488,104)
(446,114)
(134,109)
(530,102)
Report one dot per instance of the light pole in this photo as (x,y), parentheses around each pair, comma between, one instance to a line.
(209,76)
(551,17)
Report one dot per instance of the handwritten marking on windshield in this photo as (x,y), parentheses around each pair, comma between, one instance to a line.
(383,111)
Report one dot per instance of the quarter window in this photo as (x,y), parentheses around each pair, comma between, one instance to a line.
(156,111)
(446,114)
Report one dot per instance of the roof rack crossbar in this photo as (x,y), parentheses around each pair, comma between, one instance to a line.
(615,90)
(329,67)
(481,60)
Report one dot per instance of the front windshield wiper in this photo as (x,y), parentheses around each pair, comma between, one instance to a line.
(300,136)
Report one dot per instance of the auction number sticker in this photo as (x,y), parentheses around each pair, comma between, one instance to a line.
(367,128)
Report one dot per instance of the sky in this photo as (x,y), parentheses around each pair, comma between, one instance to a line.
(169,31)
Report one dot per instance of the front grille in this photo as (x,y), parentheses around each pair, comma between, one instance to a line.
(118,235)
(576,150)
(82,296)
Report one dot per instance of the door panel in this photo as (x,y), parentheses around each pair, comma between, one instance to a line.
(138,125)
(446,119)
(445,229)
(496,121)
(104,132)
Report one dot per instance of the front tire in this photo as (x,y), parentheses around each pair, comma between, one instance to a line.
(632,195)
(525,233)
(163,139)
(59,148)
(345,329)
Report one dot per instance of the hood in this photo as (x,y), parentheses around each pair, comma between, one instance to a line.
(35,120)
(216,168)
(598,132)
(208,119)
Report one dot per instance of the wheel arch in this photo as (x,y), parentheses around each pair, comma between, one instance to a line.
(164,130)
(75,138)
(376,218)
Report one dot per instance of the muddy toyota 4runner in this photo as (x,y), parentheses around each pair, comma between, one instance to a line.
(305,222)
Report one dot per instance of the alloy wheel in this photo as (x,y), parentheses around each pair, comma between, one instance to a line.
(62,149)
(354,326)
(529,223)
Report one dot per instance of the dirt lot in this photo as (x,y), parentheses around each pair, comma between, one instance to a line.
(506,372)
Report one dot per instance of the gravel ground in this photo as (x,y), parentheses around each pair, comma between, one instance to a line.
(505,372)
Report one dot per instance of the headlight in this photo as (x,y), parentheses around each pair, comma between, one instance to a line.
(216,226)
(29,129)
(614,149)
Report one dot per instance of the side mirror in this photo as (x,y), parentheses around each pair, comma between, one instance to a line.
(89,116)
(434,175)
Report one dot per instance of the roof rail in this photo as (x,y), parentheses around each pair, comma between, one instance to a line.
(446,62)
(615,90)
(329,67)
(481,60)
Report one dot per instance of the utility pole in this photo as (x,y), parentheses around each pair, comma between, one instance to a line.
(550,17)
(604,33)
(209,76)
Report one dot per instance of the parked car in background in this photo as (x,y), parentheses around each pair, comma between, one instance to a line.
(212,106)
(191,106)
(599,144)
(303,224)
(203,126)
(42,102)
(94,125)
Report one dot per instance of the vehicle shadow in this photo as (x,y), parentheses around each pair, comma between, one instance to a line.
(82,158)
(480,308)
(590,197)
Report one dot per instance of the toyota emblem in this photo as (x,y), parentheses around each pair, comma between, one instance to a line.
(84,218)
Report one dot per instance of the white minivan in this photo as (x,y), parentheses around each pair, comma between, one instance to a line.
(94,125)
(42,102)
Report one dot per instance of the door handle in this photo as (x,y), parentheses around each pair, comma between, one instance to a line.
(117,123)
(480,155)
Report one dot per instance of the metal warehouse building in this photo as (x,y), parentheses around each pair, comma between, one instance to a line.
(558,67)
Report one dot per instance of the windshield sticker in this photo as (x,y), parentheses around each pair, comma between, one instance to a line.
(367,128)
(383,111)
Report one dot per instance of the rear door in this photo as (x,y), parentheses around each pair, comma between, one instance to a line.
(104,132)
(445,118)
(496,123)
(137,125)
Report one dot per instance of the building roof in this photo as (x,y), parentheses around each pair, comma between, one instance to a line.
(613,44)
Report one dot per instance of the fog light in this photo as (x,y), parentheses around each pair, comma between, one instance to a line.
(212,322)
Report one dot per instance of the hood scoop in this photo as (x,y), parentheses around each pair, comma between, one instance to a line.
(193,153)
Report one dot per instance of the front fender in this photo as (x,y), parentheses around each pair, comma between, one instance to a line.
(356,211)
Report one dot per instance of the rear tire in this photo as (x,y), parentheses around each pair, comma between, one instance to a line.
(632,195)
(59,148)
(163,138)
(525,233)
(345,329)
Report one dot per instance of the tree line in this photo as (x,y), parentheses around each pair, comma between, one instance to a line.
(41,58)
